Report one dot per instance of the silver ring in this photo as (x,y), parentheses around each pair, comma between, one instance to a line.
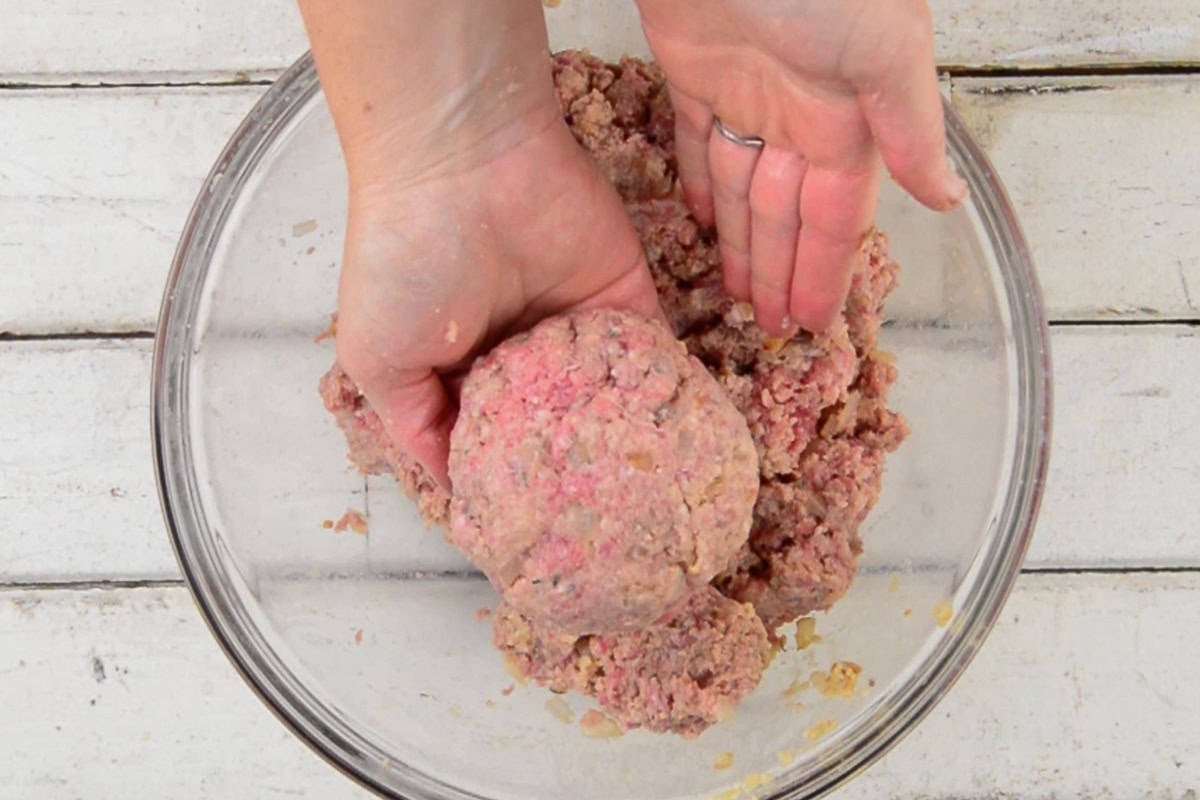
(752,142)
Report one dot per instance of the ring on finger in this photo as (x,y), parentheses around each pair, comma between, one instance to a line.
(752,142)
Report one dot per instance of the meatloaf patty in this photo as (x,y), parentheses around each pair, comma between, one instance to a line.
(600,473)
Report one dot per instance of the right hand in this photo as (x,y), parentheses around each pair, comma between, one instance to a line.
(473,212)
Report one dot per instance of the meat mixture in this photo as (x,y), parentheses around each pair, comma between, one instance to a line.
(681,675)
(815,406)
(600,473)
(372,451)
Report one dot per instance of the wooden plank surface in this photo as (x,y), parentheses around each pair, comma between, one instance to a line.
(65,41)
(1060,33)
(95,187)
(1079,669)
(1074,695)
(105,690)
(116,41)
(1105,175)
(77,495)
(79,499)
(1080,692)
(1124,452)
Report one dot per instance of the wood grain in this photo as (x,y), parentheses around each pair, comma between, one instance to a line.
(105,689)
(77,491)
(1075,694)
(1126,438)
(979,34)
(80,503)
(1082,689)
(95,187)
(1105,175)
(116,41)
(1080,668)
(64,41)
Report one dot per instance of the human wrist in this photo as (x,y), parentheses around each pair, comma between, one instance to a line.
(416,86)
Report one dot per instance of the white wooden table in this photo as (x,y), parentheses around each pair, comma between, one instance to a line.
(111,111)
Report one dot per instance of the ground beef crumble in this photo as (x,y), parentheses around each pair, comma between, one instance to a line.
(816,406)
(680,676)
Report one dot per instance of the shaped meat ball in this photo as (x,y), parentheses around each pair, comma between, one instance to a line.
(600,473)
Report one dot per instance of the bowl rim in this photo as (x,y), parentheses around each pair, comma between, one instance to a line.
(350,753)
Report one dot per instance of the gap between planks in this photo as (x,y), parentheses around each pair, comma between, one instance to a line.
(945,71)
(173,583)
(1031,126)
(89,585)
(101,520)
(89,336)
(235,81)
(85,336)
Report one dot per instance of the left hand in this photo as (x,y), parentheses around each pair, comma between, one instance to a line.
(829,86)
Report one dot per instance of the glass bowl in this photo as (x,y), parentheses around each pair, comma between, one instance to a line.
(369,646)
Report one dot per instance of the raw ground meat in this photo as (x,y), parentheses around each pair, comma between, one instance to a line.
(681,676)
(804,545)
(372,452)
(600,474)
(816,407)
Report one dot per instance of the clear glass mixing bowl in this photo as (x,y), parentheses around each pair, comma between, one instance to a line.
(368,646)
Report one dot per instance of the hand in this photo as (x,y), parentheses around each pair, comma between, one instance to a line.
(829,86)
(437,271)
(473,212)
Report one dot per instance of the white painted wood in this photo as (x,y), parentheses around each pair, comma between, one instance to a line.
(1057,33)
(95,187)
(1126,449)
(1082,691)
(108,691)
(65,41)
(77,494)
(1105,175)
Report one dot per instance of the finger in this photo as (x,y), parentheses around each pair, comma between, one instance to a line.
(633,290)
(693,125)
(639,294)
(774,227)
(904,111)
(836,210)
(417,415)
(732,168)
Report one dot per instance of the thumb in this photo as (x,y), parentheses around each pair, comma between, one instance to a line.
(905,115)
(632,290)
(418,415)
